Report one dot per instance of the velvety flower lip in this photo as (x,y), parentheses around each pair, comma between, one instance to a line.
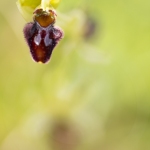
(41,35)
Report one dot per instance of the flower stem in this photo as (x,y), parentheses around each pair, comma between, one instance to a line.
(45,4)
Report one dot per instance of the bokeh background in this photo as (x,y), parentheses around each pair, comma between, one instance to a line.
(94,94)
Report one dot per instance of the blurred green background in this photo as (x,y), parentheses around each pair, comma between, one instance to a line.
(94,94)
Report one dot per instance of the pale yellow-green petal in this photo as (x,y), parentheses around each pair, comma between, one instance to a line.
(55,3)
(27,7)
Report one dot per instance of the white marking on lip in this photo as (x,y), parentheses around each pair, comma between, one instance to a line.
(47,40)
(37,39)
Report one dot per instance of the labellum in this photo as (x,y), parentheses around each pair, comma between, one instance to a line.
(41,35)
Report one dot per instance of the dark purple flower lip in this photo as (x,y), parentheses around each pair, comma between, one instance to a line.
(41,35)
